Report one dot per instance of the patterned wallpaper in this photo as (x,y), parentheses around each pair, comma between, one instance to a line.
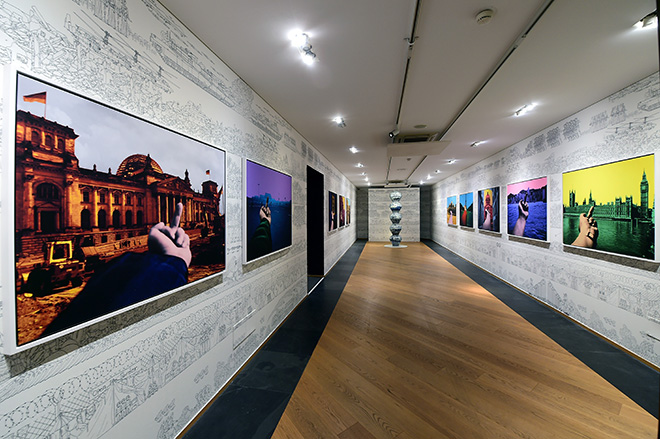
(616,296)
(148,371)
(379,214)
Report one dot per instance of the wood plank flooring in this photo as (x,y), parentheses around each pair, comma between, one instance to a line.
(417,350)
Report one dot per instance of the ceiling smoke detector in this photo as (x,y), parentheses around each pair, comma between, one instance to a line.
(485,16)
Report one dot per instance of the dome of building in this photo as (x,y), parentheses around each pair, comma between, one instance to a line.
(138,163)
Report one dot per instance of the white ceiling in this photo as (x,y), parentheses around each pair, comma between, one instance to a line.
(464,80)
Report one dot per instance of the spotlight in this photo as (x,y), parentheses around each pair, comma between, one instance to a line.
(393,133)
(339,121)
(308,57)
(524,110)
(353,149)
(650,21)
(300,40)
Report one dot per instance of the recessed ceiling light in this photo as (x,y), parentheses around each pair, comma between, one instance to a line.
(451,161)
(353,149)
(363,174)
(524,109)
(421,182)
(366,178)
(437,171)
(368,184)
(360,165)
(428,177)
(475,144)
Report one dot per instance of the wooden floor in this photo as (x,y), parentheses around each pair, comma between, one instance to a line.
(416,350)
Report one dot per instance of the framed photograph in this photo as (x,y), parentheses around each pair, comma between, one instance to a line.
(348,211)
(527,209)
(611,207)
(488,213)
(342,211)
(466,202)
(332,211)
(109,212)
(267,214)
(451,210)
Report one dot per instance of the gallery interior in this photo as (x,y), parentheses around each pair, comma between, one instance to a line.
(296,219)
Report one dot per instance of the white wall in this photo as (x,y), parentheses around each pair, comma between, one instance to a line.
(379,214)
(618,297)
(147,372)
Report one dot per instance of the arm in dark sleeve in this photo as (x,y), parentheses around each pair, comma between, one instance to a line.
(129,279)
(261,243)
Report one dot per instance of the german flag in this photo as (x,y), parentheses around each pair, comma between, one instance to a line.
(36,97)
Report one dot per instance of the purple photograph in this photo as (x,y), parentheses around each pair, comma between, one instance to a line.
(268,210)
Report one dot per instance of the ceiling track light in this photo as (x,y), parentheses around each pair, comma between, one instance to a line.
(360,165)
(451,161)
(475,144)
(353,149)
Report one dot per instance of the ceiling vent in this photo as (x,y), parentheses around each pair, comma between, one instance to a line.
(396,184)
(415,138)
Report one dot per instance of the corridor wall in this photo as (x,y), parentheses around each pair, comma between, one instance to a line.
(615,296)
(147,372)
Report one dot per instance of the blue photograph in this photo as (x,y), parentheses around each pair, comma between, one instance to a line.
(527,205)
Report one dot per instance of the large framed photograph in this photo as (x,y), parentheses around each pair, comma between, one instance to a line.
(267,215)
(488,215)
(108,212)
(527,208)
(332,211)
(348,211)
(451,210)
(611,207)
(466,202)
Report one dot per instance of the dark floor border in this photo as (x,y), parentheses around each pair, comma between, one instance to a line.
(252,403)
(634,378)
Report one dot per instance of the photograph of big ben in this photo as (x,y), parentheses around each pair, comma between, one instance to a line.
(110,211)
(611,207)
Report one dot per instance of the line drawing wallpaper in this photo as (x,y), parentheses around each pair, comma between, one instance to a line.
(147,372)
(622,302)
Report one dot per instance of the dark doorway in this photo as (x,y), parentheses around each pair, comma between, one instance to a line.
(315,223)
